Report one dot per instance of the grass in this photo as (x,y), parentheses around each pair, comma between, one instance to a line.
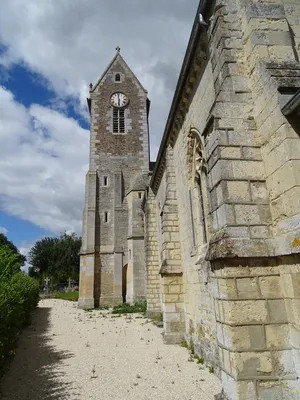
(138,307)
(198,359)
(157,318)
(71,296)
(184,344)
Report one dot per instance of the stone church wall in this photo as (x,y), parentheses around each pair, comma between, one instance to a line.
(152,256)
(200,325)
(240,296)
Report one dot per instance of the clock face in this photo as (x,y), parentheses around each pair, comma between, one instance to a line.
(119,100)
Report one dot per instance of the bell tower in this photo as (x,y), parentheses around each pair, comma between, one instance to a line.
(112,266)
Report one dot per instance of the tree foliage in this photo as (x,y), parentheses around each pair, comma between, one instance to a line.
(5,242)
(57,258)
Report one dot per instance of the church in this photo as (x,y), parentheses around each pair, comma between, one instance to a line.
(209,234)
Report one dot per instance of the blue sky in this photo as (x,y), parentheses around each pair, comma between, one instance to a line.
(49,53)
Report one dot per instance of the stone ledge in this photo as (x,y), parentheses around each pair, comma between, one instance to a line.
(228,247)
(223,246)
(170,270)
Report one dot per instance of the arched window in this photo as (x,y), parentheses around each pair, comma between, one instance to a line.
(118,78)
(198,189)
(118,120)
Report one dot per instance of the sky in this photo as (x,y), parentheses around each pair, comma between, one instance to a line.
(49,53)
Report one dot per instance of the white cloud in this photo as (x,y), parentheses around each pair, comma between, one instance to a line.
(71,42)
(3,230)
(24,249)
(44,154)
(43,160)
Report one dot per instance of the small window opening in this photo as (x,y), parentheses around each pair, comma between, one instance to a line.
(118,120)
(106,216)
(140,195)
(105,181)
(129,254)
(118,78)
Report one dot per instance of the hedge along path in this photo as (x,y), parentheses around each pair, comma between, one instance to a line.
(73,354)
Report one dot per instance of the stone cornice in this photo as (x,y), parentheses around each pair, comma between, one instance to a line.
(222,246)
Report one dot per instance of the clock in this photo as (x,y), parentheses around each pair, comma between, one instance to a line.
(118,100)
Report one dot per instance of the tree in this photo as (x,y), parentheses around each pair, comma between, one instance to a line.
(42,256)
(57,258)
(5,242)
(9,262)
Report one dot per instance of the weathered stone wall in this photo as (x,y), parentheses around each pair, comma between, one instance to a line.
(240,280)
(172,291)
(253,330)
(152,256)
(198,301)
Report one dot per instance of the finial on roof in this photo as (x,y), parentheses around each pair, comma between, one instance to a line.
(118,49)
(91,86)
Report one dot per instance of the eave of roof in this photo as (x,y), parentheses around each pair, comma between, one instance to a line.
(292,105)
(180,86)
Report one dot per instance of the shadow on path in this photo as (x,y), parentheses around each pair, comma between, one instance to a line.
(35,371)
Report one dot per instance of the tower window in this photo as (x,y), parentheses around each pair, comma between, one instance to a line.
(106,216)
(140,195)
(118,120)
(105,181)
(117,78)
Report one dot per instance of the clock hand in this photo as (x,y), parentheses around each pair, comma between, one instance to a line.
(118,100)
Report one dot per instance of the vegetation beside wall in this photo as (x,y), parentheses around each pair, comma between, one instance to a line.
(19,295)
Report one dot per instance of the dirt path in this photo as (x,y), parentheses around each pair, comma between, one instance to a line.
(72,354)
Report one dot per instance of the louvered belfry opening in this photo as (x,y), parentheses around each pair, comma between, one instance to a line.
(118,120)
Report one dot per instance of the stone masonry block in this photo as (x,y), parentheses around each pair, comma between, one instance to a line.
(248,170)
(277,336)
(243,390)
(296,284)
(283,363)
(277,311)
(248,288)
(238,338)
(247,214)
(238,191)
(265,11)
(284,178)
(270,390)
(259,191)
(276,38)
(172,317)
(296,310)
(249,365)
(270,286)
(225,215)
(245,312)
(227,289)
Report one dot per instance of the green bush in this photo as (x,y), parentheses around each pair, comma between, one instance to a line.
(19,295)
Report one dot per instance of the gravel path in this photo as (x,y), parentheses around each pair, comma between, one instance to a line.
(72,354)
